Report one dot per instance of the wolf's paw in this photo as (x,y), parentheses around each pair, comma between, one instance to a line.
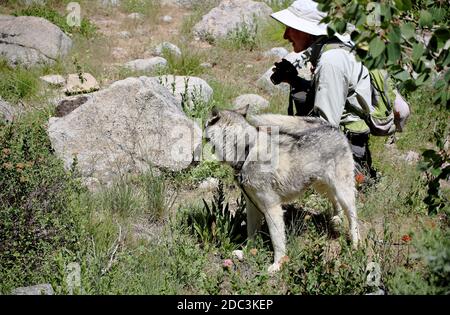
(336,222)
(275,267)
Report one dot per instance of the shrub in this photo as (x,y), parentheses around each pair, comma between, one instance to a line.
(310,272)
(35,191)
(433,252)
(215,224)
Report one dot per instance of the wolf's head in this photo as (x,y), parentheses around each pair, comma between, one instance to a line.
(230,134)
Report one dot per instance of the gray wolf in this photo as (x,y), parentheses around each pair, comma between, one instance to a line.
(295,153)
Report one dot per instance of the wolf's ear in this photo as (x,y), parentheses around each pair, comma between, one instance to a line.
(243,110)
(214,111)
(214,117)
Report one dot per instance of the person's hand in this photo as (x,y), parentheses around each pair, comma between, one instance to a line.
(284,71)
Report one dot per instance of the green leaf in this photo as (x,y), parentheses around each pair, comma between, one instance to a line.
(418,50)
(376,47)
(426,19)
(436,172)
(394,34)
(408,30)
(442,34)
(402,76)
(403,5)
(393,52)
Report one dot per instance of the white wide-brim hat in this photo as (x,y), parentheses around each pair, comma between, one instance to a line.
(303,15)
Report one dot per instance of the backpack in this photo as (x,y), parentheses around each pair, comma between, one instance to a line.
(381,118)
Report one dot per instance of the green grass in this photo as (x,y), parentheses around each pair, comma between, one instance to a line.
(17,84)
(149,8)
(86,28)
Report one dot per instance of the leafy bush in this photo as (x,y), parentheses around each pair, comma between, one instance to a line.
(35,193)
(433,250)
(436,164)
(310,271)
(86,29)
(214,224)
(393,35)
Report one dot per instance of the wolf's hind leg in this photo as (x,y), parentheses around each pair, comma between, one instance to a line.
(275,222)
(254,218)
(346,198)
(337,213)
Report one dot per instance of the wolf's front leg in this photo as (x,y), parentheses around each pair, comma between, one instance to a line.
(275,222)
(254,218)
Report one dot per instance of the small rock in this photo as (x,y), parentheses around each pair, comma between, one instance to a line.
(136,16)
(112,3)
(119,52)
(124,34)
(278,52)
(149,64)
(167,47)
(239,254)
(56,80)
(411,157)
(255,101)
(206,65)
(40,289)
(209,184)
(76,85)
(378,292)
(167,18)
(249,66)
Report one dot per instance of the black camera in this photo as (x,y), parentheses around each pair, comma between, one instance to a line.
(284,71)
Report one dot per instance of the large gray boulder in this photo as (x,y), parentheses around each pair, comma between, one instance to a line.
(229,15)
(187,88)
(30,40)
(133,124)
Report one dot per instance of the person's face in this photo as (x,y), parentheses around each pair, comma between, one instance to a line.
(300,40)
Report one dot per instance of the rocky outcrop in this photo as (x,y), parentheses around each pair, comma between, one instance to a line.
(229,15)
(133,124)
(30,40)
